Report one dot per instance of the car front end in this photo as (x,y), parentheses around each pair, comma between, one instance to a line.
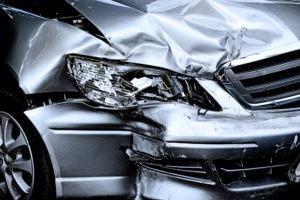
(160,99)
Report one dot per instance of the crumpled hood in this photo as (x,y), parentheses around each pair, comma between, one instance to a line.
(192,35)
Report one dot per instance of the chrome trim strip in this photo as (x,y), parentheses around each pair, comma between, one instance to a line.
(96,186)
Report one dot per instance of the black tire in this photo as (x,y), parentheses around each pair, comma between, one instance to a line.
(25,167)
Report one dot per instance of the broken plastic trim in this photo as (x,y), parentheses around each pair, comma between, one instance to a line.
(186,170)
(294,172)
(120,85)
(192,170)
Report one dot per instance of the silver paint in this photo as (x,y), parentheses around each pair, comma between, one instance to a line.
(41,48)
(191,37)
(186,36)
(73,128)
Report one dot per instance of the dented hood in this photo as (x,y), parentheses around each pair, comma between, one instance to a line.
(192,35)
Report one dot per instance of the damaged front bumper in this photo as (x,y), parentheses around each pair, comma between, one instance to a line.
(219,155)
(156,184)
(174,147)
(180,144)
(217,137)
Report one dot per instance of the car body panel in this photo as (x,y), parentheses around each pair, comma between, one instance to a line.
(73,128)
(191,36)
(43,59)
(97,151)
(238,37)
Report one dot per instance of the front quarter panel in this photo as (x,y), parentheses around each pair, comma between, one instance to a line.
(37,47)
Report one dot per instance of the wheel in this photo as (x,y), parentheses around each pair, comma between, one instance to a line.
(16,160)
(25,171)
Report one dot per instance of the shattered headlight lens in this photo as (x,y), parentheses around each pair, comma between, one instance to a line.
(124,85)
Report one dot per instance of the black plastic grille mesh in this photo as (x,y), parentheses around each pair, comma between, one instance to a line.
(231,171)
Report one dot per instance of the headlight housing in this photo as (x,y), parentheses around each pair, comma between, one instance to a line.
(121,85)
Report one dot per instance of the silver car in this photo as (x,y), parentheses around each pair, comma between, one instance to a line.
(149,99)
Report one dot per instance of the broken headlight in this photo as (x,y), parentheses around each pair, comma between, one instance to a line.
(124,85)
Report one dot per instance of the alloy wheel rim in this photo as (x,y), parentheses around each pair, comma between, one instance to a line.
(16,161)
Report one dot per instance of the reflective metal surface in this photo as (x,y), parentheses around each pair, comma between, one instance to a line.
(41,49)
(192,36)
(186,137)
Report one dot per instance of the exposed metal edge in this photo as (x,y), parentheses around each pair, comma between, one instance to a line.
(96,186)
(6,9)
(148,145)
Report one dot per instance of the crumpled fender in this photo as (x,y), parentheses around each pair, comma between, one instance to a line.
(193,35)
(37,47)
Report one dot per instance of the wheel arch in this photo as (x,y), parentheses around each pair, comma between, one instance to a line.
(14,98)
(9,86)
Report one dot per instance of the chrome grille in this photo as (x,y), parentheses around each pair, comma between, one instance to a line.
(264,83)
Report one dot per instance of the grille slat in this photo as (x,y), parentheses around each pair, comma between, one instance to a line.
(272,77)
(268,168)
(267,83)
(268,62)
(279,93)
(272,85)
(231,171)
(188,170)
(264,70)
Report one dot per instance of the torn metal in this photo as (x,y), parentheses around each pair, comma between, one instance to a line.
(192,36)
(189,37)
(147,95)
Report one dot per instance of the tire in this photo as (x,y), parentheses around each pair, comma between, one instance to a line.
(25,167)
